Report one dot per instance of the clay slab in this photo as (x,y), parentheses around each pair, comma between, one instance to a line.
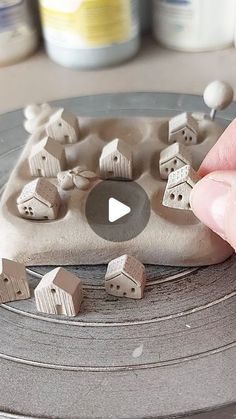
(69,240)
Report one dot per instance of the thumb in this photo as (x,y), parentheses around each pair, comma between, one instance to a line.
(213,201)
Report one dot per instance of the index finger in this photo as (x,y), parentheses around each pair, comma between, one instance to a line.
(223,155)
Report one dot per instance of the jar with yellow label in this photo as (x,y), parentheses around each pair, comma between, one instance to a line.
(90,33)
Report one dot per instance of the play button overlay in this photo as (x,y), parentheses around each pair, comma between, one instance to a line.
(117,211)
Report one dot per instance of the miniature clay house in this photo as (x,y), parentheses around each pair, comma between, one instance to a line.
(183,128)
(63,126)
(47,158)
(125,277)
(173,158)
(59,292)
(179,186)
(13,281)
(116,160)
(39,200)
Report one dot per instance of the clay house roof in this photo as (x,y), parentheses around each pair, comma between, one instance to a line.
(182,121)
(64,115)
(184,175)
(41,189)
(60,278)
(52,147)
(119,146)
(175,150)
(12,269)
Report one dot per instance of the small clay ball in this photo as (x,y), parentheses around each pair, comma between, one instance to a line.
(218,95)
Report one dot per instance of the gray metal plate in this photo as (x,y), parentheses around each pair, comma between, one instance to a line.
(171,354)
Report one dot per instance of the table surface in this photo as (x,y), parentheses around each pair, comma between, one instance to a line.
(172,353)
(153,69)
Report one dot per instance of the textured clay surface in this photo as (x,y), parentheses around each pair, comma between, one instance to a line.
(172,237)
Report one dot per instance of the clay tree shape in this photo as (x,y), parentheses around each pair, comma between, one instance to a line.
(37,116)
(218,95)
(79,177)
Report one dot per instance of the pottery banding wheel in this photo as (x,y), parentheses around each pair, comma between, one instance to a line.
(171,353)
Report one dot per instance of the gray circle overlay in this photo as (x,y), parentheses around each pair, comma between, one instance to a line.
(127,227)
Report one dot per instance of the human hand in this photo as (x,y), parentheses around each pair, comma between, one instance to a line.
(213,199)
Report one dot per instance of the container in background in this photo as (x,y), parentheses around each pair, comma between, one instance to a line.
(18,30)
(235,34)
(90,33)
(194,25)
(145,7)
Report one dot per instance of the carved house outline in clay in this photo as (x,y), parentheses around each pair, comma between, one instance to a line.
(179,186)
(125,277)
(116,160)
(173,158)
(13,281)
(184,129)
(39,200)
(47,158)
(59,292)
(63,126)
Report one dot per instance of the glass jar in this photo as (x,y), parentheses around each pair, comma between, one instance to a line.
(18,30)
(194,25)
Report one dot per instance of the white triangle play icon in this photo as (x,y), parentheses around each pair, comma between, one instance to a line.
(117,210)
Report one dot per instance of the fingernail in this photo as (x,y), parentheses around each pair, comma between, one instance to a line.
(209,200)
